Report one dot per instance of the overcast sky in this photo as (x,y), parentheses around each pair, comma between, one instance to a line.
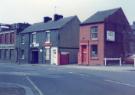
(12,11)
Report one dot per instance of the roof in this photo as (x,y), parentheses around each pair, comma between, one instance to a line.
(48,25)
(100,16)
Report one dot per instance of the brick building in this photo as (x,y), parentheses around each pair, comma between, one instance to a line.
(53,41)
(9,40)
(104,35)
(132,39)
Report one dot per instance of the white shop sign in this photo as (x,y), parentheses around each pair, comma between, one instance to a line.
(110,36)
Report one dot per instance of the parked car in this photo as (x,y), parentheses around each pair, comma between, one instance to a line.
(129,59)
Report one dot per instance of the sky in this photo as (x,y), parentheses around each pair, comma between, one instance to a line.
(32,11)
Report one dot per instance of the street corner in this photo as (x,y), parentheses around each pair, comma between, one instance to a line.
(14,89)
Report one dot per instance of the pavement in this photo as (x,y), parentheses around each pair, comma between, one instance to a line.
(42,79)
(103,68)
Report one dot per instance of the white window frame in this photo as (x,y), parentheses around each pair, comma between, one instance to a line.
(47,40)
(34,37)
(22,39)
(94,32)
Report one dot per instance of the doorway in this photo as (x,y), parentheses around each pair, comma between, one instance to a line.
(84,54)
(47,55)
(35,57)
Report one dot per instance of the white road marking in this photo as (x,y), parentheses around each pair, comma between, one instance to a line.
(70,72)
(32,83)
(83,75)
(120,83)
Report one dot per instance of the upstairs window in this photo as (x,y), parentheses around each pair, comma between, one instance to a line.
(48,36)
(94,33)
(1,39)
(6,38)
(34,37)
(12,38)
(22,39)
(94,50)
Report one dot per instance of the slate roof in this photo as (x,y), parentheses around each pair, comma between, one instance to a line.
(100,16)
(48,25)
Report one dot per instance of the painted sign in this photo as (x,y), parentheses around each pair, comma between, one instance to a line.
(110,36)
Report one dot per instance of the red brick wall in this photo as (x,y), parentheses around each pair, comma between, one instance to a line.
(85,35)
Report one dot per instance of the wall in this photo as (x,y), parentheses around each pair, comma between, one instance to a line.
(85,36)
(119,24)
(69,39)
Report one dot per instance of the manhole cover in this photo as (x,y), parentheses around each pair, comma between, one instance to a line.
(12,91)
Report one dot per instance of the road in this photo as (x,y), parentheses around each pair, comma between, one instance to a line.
(63,80)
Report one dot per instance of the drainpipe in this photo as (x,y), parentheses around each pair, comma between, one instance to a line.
(134,62)
(88,52)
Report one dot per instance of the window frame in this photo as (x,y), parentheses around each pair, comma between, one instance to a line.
(34,37)
(48,37)
(22,39)
(94,51)
(47,53)
(22,54)
(94,33)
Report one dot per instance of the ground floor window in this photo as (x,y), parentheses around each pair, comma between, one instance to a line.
(22,54)
(94,50)
(47,54)
(10,53)
(5,53)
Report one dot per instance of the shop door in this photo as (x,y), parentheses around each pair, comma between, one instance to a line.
(35,57)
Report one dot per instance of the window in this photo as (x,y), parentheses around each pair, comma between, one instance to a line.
(5,53)
(6,38)
(47,36)
(12,37)
(23,39)
(34,37)
(94,50)
(47,54)
(94,33)
(10,53)
(1,39)
(22,54)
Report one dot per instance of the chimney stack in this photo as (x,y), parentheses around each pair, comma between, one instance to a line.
(46,19)
(57,17)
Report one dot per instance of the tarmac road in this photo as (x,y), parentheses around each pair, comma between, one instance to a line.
(65,80)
